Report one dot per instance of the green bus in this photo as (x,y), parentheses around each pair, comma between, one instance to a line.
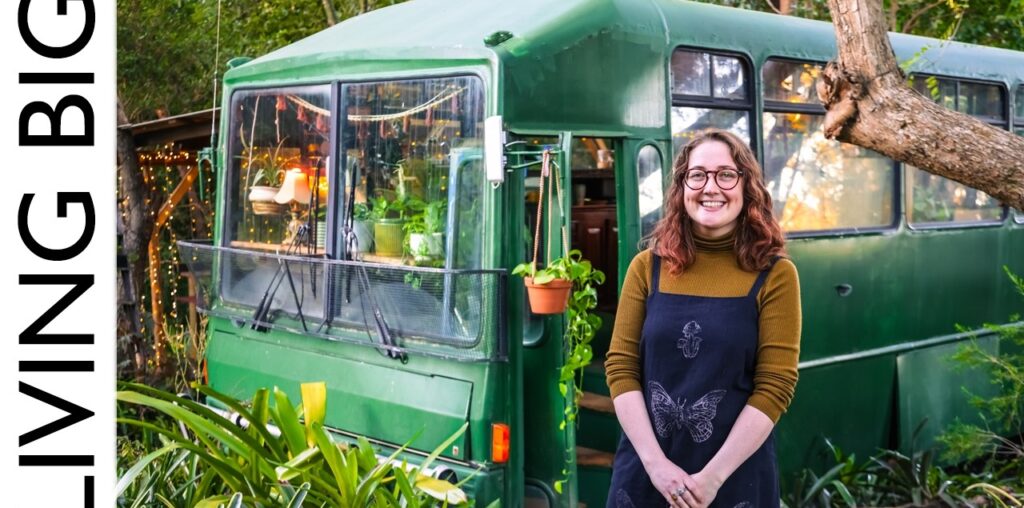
(377,182)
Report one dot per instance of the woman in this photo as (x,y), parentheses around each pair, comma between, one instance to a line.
(703,358)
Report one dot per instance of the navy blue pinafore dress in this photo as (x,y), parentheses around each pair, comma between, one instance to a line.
(698,356)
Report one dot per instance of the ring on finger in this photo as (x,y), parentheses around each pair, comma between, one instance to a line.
(680,491)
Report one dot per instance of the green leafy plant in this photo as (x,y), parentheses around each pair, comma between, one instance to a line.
(202,459)
(272,167)
(1003,413)
(427,218)
(382,208)
(360,211)
(886,479)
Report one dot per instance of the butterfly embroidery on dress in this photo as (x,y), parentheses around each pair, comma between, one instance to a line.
(744,504)
(622,499)
(670,416)
(690,342)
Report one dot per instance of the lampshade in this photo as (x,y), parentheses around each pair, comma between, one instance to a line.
(295,188)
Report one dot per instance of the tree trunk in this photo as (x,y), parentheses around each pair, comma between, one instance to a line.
(134,206)
(869,105)
(329,9)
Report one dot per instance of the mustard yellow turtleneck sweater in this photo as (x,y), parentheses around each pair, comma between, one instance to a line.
(716,273)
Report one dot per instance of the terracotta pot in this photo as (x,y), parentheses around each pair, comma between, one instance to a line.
(550,298)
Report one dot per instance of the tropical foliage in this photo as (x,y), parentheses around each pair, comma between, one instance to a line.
(280,456)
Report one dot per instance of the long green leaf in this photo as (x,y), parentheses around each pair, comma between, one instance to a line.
(300,496)
(294,467)
(225,432)
(288,421)
(129,476)
(822,482)
(444,446)
(335,461)
(228,471)
(257,417)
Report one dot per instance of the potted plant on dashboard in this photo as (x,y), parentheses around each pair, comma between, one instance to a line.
(425,228)
(267,180)
(362,227)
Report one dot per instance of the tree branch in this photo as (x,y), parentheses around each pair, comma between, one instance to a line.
(909,24)
(329,9)
(869,105)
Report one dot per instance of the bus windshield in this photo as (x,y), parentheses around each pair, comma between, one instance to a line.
(413,169)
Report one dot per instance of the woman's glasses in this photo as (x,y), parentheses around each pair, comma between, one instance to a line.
(725,179)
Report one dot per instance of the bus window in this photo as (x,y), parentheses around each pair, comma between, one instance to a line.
(649,178)
(818,184)
(985,101)
(709,90)
(932,200)
(1018,108)
(276,131)
(413,149)
(277,179)
(791,82)
(940,90)
(1018,216)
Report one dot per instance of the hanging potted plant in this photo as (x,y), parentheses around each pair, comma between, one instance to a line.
(549,288)
(567,285)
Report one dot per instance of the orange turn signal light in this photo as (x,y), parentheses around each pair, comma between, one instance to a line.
(499,442)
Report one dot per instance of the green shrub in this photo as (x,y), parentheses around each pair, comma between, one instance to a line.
(193,456)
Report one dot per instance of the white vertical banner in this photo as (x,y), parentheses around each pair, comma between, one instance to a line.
(58,301)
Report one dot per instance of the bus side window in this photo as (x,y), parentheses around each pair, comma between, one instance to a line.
(1018,111)
(650,181)
(818,184)
(709,90)
(932,200)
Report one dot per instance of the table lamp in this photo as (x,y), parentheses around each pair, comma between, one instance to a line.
(295,191)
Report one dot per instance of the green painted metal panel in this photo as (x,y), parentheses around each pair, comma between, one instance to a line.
(390,404)
(932,393)
(594,484)
(850,404)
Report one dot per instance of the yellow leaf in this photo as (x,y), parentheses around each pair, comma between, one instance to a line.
(314,407)
(441,490)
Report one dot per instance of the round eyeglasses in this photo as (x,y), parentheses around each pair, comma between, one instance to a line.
(725,179)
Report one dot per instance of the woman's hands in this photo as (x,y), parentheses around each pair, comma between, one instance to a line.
(669,479)
(702,488)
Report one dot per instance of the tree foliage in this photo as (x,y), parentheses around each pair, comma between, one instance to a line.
(998,23)
(166,49)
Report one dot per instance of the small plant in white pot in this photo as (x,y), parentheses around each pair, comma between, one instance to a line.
(266,182)
(426,231)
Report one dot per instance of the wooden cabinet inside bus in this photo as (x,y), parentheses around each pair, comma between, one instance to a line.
(595,232)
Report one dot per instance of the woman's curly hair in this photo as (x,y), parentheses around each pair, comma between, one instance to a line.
(758,236)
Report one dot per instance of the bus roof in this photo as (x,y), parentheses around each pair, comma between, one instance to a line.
(437,30)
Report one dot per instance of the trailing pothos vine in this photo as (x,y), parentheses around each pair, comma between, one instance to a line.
(580,324)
